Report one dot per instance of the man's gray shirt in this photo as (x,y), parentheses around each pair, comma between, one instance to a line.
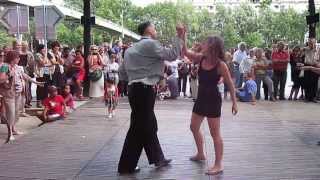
(145,60)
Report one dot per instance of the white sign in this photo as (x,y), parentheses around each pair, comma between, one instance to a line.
(46,19)
(15,19)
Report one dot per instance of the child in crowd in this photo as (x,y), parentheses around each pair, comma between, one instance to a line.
(111,97)
(221,87)
(68,98)
(248,92)
(54,106)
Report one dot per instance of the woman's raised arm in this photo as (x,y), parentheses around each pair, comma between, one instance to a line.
(194,56)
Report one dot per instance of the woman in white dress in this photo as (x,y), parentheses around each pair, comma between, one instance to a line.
(96,64)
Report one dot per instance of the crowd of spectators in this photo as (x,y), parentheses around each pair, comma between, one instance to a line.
(263,67)
(59,73)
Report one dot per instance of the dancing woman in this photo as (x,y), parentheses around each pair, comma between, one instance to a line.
(208,103)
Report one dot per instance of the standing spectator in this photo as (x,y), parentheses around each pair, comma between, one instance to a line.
(112,72)
(280,60)
(54,55)
(194,81)
(246,64)
(310,77)
(229,63)
(20,81)
(16,45)
(96,65)
(123,84)
(268,54)
(12,79)
(117,47)
(78,74)
(104,55)
(68,58)
(28,64)
(238,57)
(260,67)
(7,91)
(295,62)
(183,70)
(107,51)
(44,71)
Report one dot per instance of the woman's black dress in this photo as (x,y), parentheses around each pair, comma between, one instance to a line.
(209,100)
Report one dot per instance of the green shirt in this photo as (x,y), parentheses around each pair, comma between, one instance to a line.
(4,68)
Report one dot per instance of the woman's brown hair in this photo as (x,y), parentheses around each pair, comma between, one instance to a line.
(215,48)
(11,56)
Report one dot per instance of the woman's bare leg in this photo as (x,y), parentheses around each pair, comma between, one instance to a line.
(214,126)
(195,125)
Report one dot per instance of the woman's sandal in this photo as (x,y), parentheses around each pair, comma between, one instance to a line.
(197,159)
(212,173)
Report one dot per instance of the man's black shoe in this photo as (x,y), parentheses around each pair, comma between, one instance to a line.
(163,163)
(136,170)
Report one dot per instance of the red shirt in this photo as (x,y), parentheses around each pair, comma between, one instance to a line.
(55,105)
(281,56)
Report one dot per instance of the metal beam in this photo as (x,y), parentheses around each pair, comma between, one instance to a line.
(77,15)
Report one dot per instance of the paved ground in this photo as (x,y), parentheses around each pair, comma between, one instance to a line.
(26,124)
(267,141)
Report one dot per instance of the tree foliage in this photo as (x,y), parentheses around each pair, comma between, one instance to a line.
(256,26)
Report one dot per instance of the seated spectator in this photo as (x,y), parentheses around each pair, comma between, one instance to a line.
(172,84)
(55,106)
(68,98)
(248,92)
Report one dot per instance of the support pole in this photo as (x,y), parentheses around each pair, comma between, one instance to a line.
(87,42)
(312,26)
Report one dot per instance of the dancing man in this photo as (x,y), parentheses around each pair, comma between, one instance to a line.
(142,68)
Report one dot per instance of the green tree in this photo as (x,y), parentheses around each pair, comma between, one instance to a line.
(5,39)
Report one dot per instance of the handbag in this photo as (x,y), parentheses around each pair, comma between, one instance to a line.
(8,83)
(95,75)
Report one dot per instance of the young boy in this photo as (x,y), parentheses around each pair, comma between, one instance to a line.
(249,90)
(54,106)
(111,97)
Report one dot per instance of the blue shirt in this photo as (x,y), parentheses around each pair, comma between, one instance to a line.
(249,90)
